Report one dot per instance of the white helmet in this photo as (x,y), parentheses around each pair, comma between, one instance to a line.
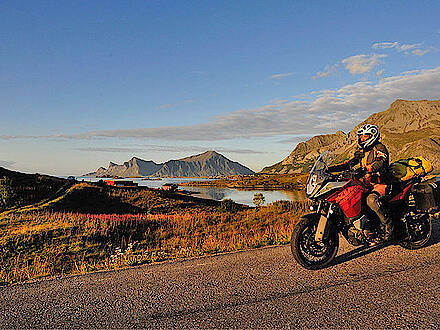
(372,131)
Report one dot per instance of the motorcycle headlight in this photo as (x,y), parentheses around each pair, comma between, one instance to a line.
(312,184)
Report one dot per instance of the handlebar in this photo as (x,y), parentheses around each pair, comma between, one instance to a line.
(350,174)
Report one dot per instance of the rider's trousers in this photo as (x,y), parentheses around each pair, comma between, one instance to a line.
(374,204)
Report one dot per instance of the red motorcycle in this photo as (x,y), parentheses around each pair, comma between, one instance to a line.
(339,207)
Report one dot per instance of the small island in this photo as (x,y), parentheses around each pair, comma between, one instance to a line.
(257,181)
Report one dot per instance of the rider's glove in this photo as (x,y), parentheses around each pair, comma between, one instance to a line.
(331,169)
(360,172)
(358,155)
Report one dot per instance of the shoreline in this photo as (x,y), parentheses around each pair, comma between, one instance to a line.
(261,182)
(250,187)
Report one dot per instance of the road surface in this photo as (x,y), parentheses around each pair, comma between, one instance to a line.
(377,287)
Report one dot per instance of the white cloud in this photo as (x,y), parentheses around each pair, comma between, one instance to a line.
(169,105)
(6,163)
(385,45)
(417,48)
(410,72)
(13,137)
(409,46)
(421,52)
(164,106)
(359,64)
(398,46)
(280,75)
(329,110)
(278,101)
(326,72)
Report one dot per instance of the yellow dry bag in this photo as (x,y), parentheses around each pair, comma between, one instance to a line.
(406,169)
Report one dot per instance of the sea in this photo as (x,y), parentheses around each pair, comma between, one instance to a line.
(242,196)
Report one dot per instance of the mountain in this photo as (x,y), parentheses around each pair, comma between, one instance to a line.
(209,163)
(134,167)
(408,128)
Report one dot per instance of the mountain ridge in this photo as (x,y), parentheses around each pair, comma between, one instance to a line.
(408,128)
(209,163)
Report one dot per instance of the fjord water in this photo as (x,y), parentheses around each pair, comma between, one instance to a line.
(218,193)
(245,196)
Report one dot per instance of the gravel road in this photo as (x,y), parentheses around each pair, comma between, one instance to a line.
(375,287)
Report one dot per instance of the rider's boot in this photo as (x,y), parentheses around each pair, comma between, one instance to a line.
(388,230)
(385,220)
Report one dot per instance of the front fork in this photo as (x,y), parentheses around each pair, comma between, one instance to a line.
(323,227)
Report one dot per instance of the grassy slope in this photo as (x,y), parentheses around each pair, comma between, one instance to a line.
(31,189)
(79,230)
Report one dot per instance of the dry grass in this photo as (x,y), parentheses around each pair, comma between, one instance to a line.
(49,243)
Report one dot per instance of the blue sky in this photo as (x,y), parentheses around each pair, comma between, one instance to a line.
(83,83)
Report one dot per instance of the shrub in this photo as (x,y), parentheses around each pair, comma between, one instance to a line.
(259,199)
(228,205)
(6,193)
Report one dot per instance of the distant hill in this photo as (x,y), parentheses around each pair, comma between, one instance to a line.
(209,163)
(24,189)
(408,128)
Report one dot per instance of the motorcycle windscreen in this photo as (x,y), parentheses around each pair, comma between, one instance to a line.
(349,199)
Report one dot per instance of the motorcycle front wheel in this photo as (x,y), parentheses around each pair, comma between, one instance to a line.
(309,253)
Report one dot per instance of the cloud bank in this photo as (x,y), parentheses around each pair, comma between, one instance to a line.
(329,110)
(162,148)
(6,163)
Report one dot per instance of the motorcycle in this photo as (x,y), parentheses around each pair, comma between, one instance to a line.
(339,207)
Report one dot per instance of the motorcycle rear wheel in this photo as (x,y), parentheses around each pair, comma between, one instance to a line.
(420,237)
(309,253)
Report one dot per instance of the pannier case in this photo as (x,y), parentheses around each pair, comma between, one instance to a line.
(436,190)
(424,197)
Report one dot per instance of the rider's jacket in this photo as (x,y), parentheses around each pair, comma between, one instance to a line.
(374,160)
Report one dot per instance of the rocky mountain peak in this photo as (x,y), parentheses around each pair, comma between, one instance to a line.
(203,156)
(209,163)
(405,116)
(408,128)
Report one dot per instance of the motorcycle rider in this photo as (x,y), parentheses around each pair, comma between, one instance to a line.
(373,158)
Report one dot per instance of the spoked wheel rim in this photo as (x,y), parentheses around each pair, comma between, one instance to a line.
(421,232)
